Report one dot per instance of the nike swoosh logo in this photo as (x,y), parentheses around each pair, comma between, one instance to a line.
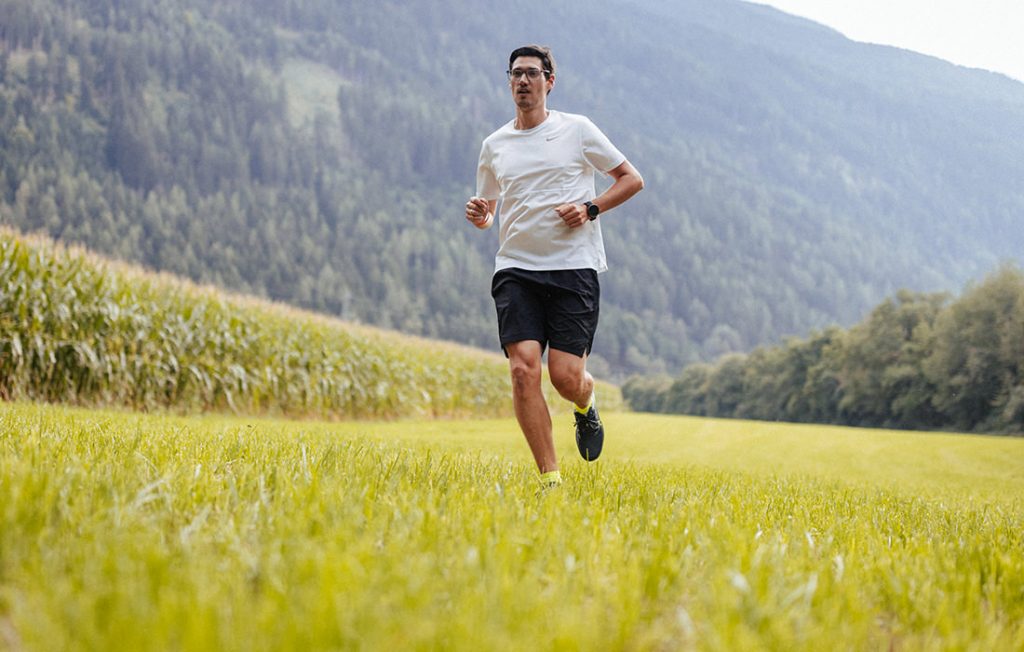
(550,138)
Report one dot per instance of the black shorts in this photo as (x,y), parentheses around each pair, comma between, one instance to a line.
(556,308)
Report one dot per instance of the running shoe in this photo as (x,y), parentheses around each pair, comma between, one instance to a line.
(589,434)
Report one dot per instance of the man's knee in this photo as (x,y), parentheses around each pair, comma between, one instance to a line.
(568,380)
(525,372)
(525,367)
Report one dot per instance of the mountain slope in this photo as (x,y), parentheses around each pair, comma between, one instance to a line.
(318,152)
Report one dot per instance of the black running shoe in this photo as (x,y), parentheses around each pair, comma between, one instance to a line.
(589,434)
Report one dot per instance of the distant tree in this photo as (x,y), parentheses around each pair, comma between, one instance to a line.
(978,358)
(646,393)
(724,387)
(686,394)
(880,375)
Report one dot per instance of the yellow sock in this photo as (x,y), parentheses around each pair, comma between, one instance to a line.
(584,410)
(551,478)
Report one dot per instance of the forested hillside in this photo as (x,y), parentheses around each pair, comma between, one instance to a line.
(318,152)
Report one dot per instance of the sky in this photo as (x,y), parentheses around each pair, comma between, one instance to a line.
(986,34)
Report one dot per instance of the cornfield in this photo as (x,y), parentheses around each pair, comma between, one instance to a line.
(75,328)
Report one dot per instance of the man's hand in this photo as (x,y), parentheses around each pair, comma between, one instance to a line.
(478,212)
(627,183)
(574,215)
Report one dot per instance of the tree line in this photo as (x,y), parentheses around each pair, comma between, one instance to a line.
(918,361)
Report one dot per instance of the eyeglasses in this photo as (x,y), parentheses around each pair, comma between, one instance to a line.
(532,74)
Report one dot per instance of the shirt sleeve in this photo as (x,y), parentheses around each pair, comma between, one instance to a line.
(597,149)
(486,183)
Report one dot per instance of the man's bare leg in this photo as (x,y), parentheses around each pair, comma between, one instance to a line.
(570,377)
(528,400)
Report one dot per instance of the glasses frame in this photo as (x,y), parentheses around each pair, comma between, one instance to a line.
(518,73)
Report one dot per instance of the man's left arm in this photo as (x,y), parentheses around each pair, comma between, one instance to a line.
(627,182)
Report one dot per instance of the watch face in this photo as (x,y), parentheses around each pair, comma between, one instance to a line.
(592,210)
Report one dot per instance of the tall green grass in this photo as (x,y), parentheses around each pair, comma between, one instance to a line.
(139,532)
(79,329)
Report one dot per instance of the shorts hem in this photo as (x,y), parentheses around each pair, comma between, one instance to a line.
(574,351)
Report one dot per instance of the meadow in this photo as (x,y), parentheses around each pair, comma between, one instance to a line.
(398,507)
(121,530)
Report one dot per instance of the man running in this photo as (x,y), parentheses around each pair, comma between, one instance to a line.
(541,166)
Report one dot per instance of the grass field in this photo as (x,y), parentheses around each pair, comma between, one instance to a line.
(149,532)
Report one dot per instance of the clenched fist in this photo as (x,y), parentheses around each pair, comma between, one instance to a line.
(574,215)
(478,212)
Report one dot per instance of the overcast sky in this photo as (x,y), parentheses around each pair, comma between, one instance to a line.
(985,34)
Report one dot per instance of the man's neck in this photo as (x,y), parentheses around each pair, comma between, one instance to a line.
(530,119)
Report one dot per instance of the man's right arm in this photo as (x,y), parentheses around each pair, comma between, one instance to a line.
(480,211)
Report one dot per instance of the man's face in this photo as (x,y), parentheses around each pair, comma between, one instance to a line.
(529,92)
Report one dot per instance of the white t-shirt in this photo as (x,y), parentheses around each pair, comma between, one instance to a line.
(534,170)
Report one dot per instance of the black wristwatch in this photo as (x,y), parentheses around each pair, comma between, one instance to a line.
(592,210)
